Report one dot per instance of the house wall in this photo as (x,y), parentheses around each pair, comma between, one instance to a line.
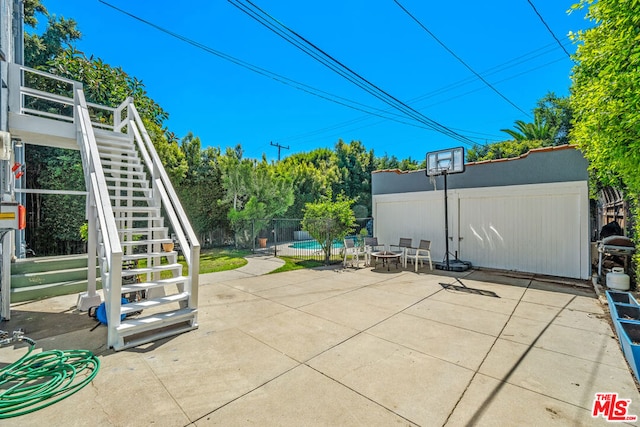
(499,216)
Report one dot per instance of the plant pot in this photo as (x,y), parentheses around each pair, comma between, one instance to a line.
(620,297)
(262,241)
(630,342)
(168,247)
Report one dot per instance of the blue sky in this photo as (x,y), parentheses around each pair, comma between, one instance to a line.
(225,104)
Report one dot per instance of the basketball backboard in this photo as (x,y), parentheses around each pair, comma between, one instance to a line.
(445,161)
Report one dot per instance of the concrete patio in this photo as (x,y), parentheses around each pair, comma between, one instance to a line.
(349,346)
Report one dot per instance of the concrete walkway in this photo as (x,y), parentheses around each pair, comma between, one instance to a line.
(257,265)
(364,346)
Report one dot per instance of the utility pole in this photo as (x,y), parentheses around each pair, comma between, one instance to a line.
(279,147)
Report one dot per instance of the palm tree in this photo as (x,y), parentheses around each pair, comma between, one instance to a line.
(539,130)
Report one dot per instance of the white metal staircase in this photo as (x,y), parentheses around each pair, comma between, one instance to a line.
(132,208)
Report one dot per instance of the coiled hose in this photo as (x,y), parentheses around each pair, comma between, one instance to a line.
(36,381)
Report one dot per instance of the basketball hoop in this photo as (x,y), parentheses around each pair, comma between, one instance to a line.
(445,162)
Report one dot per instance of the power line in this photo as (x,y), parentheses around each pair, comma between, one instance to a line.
(370,111)
(548,29)
(491,71)
(341,69)
(264,72)
(493,88)
(279,148)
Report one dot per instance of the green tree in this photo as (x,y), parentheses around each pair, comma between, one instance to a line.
(539,130)
(59,35)
(312,175)
(355,164)
(201,189)
(256,193)
(501,150)
(329,220)
(605,97)
(54,219)
(556,112)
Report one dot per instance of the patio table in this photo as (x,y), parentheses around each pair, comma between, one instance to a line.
(387,257)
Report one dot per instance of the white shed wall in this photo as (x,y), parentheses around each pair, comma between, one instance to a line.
(536,228)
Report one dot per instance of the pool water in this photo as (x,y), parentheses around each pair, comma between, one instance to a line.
(313,244)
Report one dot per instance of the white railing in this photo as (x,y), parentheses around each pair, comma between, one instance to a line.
(36,102)
(162,187)
(102,224)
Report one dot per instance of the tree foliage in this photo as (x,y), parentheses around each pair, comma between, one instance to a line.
(551,126)
(329,220)
(605,96)
(201,188)
(256,193)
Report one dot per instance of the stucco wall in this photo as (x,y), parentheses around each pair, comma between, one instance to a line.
(559,164)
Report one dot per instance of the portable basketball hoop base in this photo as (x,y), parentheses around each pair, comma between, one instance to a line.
(454,265)
(446,162)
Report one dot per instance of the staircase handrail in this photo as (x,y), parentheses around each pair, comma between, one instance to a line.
(112,249)
(90,148)
(190,239)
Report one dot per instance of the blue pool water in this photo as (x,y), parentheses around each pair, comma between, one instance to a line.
(313,244)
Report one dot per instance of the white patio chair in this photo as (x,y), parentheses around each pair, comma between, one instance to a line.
(404,245)
(351,251)
(423,252)
(371,245)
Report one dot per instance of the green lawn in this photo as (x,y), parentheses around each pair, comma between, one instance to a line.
(211,261)
(214,260)
(297,264)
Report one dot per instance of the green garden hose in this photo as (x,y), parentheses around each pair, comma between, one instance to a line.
(36,381)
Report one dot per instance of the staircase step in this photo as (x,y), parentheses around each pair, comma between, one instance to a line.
(135,192)
(109,135)
(154,321)
(133,161)
(136,209)
(131,198)
(136,287)
(144,230)
(142,182)
(163,325)
(133,257)
(46,277)
(143,189)
(132,307)
(139,221)
(113,153)
(152,269)
(120,173)
(146,242)
(40,264)
(129,168)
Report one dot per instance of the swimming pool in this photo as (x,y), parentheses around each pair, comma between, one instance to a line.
(313,244)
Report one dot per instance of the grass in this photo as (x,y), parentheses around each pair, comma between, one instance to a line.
(291,264)
(211,261)
(215,260)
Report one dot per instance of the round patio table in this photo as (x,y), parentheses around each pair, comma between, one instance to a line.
(387,257)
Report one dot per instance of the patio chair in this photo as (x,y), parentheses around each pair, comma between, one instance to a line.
(351,251)
(404,245)
(423,252)
(371,245)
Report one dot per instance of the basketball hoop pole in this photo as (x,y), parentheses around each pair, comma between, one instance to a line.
(445,162)
(446,219)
